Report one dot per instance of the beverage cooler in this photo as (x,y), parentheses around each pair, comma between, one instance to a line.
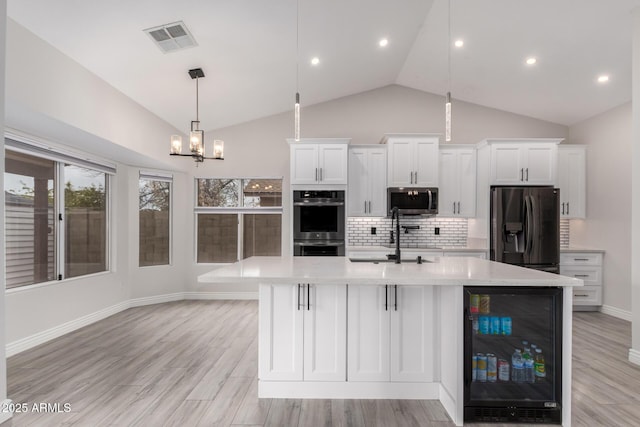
(513,354)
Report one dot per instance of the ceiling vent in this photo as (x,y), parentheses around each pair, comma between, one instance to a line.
(171,37)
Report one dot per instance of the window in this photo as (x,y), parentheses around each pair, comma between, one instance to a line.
(238,218)
(56,215)
(155,220)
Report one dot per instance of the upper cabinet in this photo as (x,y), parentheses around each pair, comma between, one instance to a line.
(572,180)
(412,160)
(367,181)
(319,161)
(523,161)
(457,184)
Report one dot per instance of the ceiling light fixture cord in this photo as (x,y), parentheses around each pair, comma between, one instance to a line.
(447,112)
(296,107)
(197,102)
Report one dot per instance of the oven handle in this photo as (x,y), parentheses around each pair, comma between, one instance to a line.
(318,243)
(318,203)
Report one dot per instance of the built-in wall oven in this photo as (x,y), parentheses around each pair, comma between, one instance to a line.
(318,223)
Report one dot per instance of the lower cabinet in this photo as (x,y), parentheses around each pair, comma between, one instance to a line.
(303,332)
(588,267)
(391,333)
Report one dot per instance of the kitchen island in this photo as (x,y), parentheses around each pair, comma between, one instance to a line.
(333,328)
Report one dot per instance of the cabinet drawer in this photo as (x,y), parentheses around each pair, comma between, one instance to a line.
(580,258)
(592,276)
(587,295)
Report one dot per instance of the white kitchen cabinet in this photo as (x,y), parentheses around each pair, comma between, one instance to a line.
(367,188)
(572,180)
(585,265)
(457,183)
(319,161)
(391,330)
(524,162)
(303,329)
(412,160)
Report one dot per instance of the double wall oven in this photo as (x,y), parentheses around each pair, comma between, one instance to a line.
(318,223)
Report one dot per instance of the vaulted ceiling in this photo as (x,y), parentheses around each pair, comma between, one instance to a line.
(247,49)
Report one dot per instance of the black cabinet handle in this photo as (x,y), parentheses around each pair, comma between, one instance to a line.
(527,174)
(567,208)
(562,208)
(386,297)
(298,296)
(308,297)
(521,174)
(395,301)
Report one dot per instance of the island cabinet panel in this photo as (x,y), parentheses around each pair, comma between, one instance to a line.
(412,334)
(325,333)
(302,332)
(368,320)
(391,333)
(280,335)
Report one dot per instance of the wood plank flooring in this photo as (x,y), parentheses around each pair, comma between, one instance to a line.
(194,363)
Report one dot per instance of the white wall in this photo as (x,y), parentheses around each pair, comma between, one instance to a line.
(3,361)
(608,223)
(258,148)
(54,98)
(634,352)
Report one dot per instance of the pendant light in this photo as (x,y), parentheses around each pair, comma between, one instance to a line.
(447,105)
(296,107)
(196,135)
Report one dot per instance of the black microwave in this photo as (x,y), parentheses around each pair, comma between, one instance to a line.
(412,201)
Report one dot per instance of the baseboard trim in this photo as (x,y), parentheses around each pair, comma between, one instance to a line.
(221,295)
(634,356)
(34,340)
(31,341)
(6,416)
(617,312)
(157,299)
(347,390)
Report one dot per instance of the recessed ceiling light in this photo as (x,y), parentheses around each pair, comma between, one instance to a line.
(383,42)
(603,78)
(315,60)
(531,61)
(459,43)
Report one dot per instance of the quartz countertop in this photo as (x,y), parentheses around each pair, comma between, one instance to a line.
(426,248)
(445,271)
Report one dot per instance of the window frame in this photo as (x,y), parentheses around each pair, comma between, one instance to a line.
(35,147)
(161,177)
(239,210)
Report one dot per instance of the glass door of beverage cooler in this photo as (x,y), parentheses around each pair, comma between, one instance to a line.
(513,354)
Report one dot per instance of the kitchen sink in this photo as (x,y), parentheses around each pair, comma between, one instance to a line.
(379,260)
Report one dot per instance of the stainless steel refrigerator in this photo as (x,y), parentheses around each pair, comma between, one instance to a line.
(525,227)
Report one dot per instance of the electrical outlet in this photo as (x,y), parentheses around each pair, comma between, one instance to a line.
(436,231)
(373,230)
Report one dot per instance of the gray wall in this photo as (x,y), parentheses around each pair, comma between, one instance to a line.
(608,223)
(3,361)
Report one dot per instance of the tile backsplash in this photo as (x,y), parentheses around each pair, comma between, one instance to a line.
(453,231)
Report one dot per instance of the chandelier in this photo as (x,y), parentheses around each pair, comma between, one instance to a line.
(196,135)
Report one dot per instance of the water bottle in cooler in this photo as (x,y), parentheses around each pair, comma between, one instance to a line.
(529,375)
(517,367)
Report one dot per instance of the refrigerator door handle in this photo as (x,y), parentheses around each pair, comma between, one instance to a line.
(529,225)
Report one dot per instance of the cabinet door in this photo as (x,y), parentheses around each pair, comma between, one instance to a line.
(368,332)
(541,164)
(304,164)
(412,334)
(448,189)
(325,333)
(377,178)
(572,182)
(280,334)
(426,163)
(467,183)
(332,163)
(401,164)
(507,166)
(358,182)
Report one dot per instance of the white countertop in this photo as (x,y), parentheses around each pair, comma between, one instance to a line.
(446,271)
(390,249)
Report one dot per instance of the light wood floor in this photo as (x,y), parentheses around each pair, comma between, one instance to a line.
(194,363)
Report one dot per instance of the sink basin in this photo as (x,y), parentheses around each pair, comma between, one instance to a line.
(379,260)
